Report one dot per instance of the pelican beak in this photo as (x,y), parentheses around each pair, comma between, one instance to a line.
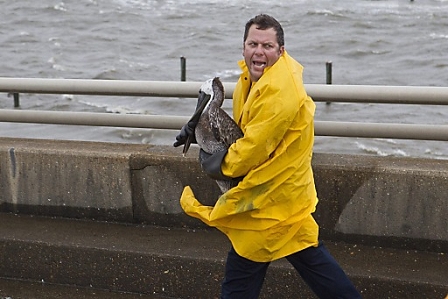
(203,100)
(186,146)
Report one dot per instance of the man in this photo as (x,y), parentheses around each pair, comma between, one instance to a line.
(269,214)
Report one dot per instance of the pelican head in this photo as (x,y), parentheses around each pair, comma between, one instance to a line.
(205,94)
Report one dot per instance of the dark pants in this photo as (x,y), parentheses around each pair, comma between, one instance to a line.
(244,278)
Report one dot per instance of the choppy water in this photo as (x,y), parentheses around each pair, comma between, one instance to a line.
(395,42)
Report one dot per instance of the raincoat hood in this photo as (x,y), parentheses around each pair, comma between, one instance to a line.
(269,214)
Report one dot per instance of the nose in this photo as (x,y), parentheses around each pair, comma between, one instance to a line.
(259,50)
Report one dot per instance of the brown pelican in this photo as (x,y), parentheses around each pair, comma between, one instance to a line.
(215,130)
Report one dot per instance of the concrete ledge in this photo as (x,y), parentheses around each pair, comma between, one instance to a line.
(379,201)
(186,263)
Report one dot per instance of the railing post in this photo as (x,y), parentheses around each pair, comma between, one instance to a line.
(329,65)
(16,100)
(183,69)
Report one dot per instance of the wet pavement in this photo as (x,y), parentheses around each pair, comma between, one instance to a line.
(14,289)
(158,262)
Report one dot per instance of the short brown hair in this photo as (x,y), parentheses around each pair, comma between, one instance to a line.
(263,22)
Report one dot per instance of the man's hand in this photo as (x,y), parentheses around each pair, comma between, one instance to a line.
(186,131)
(211,164)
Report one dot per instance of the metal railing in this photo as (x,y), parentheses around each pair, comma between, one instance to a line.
(319,93)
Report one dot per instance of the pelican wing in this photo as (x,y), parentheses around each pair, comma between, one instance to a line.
(227,129)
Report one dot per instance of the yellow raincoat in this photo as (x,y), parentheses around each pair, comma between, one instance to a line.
(268,215)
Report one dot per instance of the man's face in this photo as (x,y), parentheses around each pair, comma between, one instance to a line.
(260,50)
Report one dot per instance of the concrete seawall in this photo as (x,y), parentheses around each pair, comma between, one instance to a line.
(383,219)
(399,202)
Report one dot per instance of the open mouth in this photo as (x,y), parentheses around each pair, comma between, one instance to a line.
(259,64)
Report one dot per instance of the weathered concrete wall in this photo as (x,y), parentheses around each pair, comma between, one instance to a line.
(65,178)
(380,200)
(396,201)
